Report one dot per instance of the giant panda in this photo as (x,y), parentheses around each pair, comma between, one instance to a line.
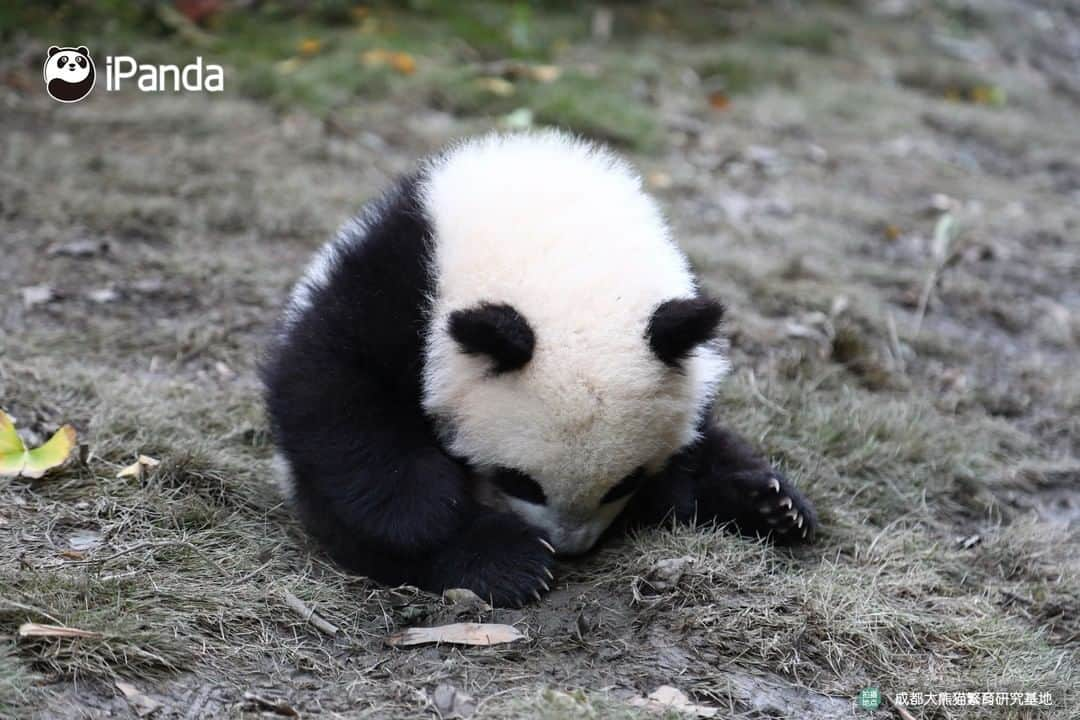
(497,360)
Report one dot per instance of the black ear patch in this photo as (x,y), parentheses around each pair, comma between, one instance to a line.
(498,331)
(678,326)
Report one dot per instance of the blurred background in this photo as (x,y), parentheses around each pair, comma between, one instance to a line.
(884,193)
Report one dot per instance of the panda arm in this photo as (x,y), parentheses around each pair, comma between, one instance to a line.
(722,479)
(369,478)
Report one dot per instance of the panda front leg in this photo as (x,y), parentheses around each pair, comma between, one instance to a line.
(372,484)
(722,479)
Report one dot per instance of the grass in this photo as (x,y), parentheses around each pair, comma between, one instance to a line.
(937,458)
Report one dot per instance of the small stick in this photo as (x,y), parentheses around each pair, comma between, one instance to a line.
(300,608)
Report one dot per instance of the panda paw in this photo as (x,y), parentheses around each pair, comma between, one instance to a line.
(776,508)
(499,557)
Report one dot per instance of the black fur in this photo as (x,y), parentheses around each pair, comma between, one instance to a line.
(721,479)
(496,330)
(678,326)
(372,482)
(343,394)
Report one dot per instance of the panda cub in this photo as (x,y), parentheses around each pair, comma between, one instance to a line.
(496,360)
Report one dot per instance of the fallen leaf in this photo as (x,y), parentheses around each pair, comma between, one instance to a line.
(497,86)
(142,704)
(544,73)
(198,10)
(54,631)
(719,100)
(309,47)
(666,698)
(138,468)
(457,634)
(16,460)
(402,62)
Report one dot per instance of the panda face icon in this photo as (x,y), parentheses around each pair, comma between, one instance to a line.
(69,73)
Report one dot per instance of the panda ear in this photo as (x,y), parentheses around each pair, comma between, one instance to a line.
(82,50)
(53,49)
(678,326)
(496,330)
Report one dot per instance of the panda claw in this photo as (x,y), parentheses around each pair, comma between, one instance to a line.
(793,514)
(548,573)
(799,522)
(775,485)
(547,545)
(536,594)
(786,502)
(546,587)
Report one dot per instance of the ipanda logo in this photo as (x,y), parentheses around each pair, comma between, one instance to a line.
(70,75)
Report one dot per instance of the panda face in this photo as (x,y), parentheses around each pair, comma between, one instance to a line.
(568,356)
(69,73)
(72,65)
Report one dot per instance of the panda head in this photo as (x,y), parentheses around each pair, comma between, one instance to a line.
(69,73)
(570,354)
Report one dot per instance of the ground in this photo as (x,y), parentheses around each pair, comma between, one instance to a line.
(885,195)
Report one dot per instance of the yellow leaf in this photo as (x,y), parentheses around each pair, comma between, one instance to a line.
(402,62)
(10,443)
(309,47)
(53,453)
(16,460)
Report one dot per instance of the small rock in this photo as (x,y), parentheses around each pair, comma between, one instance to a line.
(82,540)
(79,248)
(103,295)
(940,202)
(35,295)
(465,601)
(666,574)
(817,154)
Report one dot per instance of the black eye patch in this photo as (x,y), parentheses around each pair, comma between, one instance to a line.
(627,485)
(81,61)
(62,60)
(519,485)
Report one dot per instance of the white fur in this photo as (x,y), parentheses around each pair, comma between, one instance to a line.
(564,233)
(70,71)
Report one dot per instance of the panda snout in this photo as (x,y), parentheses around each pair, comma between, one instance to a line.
(575,541)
